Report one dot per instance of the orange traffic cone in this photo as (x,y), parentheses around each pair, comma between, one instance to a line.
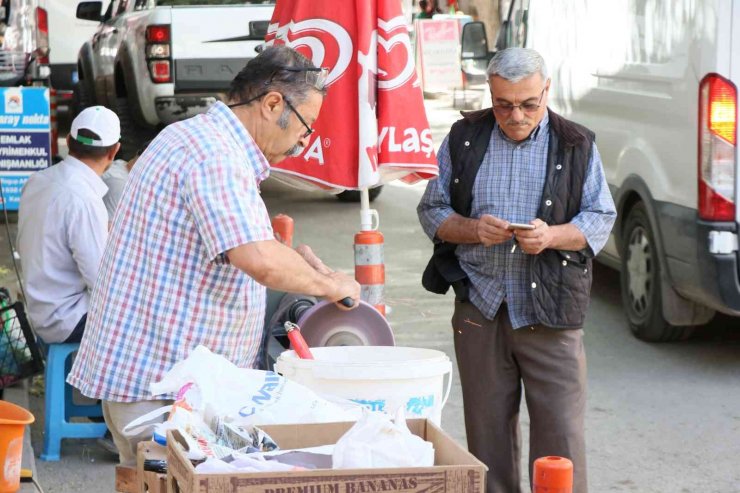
(552,475)
(370,269)
(282,226)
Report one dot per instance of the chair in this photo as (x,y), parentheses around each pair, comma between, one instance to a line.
(59,404)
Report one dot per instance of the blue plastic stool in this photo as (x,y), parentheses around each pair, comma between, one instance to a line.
(60,407)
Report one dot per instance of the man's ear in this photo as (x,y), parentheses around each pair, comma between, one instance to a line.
(272,103)
(113,151)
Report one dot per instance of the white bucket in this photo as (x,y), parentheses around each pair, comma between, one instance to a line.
(383,378)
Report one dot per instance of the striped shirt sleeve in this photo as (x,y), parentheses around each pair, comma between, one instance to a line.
(222,195)
(434,207)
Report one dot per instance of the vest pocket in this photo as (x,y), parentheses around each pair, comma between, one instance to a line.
(565,279)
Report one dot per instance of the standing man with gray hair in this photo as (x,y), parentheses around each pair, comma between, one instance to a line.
(191,248)
(520,208)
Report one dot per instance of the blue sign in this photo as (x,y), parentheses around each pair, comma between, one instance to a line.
(25,138)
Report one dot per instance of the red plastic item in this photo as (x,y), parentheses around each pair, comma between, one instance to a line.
(297,342)
(553,475)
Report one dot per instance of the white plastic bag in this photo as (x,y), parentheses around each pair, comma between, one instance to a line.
(246,396)
(376,441)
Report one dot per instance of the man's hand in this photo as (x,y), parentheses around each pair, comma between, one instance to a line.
(492,230)
(345,284)
(306,252)
(534,241)
(345,287)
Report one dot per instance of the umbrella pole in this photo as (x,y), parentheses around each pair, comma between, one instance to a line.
(369,267)
(366,217)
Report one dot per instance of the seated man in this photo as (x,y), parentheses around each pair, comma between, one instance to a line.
(63,227)
(115,179)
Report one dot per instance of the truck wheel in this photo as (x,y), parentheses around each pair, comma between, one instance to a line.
(133,136)
(80,98)
(354,195)
(640,282)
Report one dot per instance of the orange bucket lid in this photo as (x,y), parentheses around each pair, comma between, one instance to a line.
(553,472)
(10,414)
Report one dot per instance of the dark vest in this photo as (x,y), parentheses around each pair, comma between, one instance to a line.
(561,279)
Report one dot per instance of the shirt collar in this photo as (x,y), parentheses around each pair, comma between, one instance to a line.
(242,138)
(532,136)
(87,175)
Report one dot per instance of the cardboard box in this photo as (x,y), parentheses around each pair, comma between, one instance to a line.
(455,470)
(136,479)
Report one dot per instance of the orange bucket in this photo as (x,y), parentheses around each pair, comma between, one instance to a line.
(13,421)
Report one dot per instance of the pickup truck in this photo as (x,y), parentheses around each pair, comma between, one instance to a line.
(155,62)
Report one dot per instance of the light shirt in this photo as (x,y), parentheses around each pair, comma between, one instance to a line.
(115,177)
(165,283)
(62,229)
(509,185)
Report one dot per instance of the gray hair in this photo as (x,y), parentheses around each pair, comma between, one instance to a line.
(263,74)
(515,64)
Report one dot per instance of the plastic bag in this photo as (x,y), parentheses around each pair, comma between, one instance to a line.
(376,441)
(244,396)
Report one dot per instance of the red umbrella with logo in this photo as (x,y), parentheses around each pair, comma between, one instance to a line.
(372,128)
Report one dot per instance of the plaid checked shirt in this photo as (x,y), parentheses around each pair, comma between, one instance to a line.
(509,186)
(165,285)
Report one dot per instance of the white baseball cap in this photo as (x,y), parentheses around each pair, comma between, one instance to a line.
(100,120)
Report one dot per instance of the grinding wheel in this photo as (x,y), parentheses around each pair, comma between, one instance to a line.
(325,324)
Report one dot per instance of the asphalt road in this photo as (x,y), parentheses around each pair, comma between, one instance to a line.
(660,418)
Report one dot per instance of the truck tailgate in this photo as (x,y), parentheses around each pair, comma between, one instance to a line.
(211,44)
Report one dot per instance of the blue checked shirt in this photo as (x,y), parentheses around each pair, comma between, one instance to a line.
(165,285)
(509,186)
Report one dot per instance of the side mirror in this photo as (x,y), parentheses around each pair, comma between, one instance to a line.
(89,11)
(474,55)
(474,42)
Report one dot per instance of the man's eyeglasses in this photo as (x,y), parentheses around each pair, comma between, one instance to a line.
(505,109)
(316,77)
(309,130)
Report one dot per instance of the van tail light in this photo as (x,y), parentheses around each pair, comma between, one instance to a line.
(42,36)
(717,139)
(158,53)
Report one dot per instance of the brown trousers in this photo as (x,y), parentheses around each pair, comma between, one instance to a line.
(494,361)
(119,414)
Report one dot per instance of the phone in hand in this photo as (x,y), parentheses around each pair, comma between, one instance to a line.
(520,226)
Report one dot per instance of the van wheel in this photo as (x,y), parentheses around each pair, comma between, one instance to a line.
(354,195)
(133,135)
(640,282)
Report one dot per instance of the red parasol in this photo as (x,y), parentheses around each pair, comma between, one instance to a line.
(372,128)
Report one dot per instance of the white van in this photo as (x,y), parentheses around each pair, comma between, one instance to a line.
(657,81)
